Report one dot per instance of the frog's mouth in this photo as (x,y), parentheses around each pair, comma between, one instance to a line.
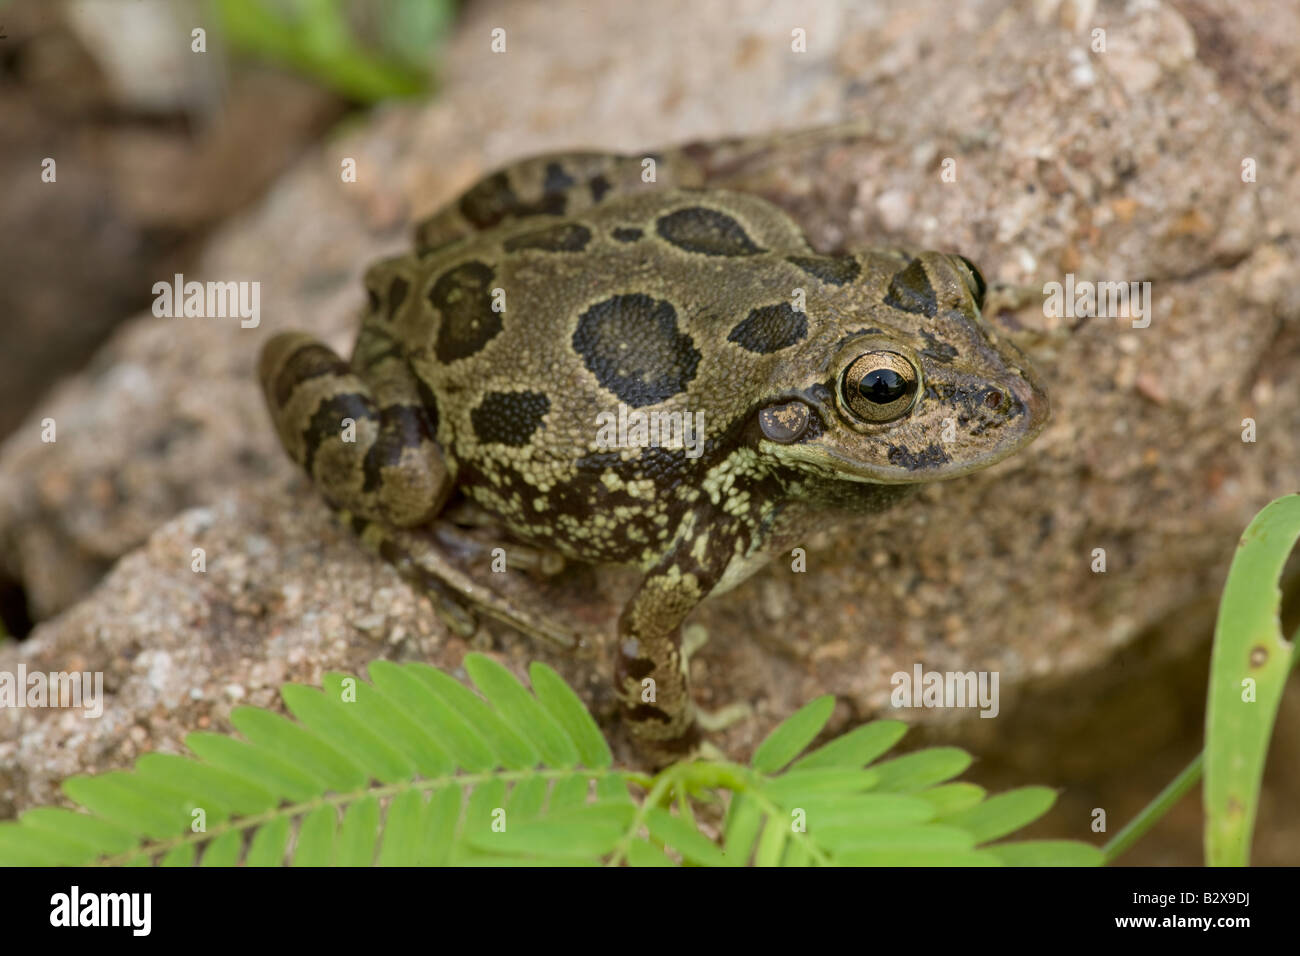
(921,449)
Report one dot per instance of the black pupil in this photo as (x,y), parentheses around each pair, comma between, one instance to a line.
(882,386)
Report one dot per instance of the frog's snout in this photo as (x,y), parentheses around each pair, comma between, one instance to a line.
(1033,401)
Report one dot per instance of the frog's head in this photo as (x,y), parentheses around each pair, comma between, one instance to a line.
(911,385)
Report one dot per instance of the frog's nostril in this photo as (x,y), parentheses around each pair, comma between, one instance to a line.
(1033,401)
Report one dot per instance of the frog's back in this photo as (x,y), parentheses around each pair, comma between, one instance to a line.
(670,301)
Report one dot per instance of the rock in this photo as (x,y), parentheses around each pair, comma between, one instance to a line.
(1117,173)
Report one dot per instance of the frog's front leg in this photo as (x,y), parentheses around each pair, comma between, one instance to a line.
(652,679)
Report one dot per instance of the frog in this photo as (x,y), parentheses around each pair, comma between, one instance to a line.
(794,389)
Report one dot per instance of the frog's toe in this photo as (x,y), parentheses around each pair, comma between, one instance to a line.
(512,556)
(459,619)
(723,717)
(694,637)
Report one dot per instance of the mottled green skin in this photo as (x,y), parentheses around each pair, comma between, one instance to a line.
(608,291)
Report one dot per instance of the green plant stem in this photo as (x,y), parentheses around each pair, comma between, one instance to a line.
(1174,791)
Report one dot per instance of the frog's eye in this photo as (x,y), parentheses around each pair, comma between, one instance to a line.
(976,282)
(879,386)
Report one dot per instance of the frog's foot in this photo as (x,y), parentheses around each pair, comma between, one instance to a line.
(521,557)
(694,637)
(723,717)
(457,598)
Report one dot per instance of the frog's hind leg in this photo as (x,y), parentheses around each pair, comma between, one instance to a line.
(362,431)
(456,597)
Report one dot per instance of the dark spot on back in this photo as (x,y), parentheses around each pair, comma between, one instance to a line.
(632,345)
(557,180)
(833,270)
(566,237)
(462,296)
(706,231)
(770,328)
(488,202)
(493,199)
(509,418)
(930,456)
(627,234)
(372,300)
(599,187)
(910,291)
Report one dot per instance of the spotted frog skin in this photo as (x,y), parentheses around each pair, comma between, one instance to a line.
(564,287)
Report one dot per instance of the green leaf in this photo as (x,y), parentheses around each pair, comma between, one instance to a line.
(792,735)
(643,853)
(269,770)
(402,829)
(182,855)
(293,744)
(98,836)
(357,835)
(441,815)
(526,798)
(337,723)
(224,849)
(269,843)
(228,793)
(799,786)
(922,769)
(414,726)
(386,719)
(952,797)
(573,835)
(771,845)
(408,690)
(1249,648)
(1004,813)
(567,709)
(1046,853)
(110,796)
(315,845)
(24,846)
(844,839)
(685,839)
(866,810)
(509,748)
(857,748)
(569,792)
(744,821)
(521,711)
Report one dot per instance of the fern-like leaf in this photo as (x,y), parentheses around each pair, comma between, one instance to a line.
(414,768)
